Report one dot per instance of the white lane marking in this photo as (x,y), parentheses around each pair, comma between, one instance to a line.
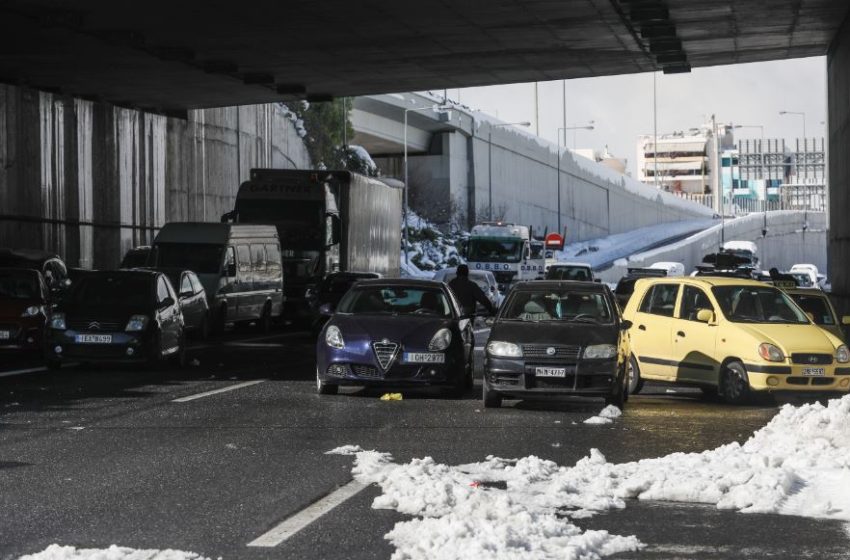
(30,370)
(217,391)
(22,371)
(308,515)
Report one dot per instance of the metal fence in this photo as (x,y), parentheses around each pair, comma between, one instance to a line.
(790,197)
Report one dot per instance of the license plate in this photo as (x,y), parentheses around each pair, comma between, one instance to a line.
(5,335)
(814,371)
(424,358)
(550,372)
(93,338)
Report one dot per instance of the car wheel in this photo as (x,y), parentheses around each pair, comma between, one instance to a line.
(324,388)
(734,383)
(178,359)
(264,324)
(491,398)
(204,330)
(635,383)
(155,352)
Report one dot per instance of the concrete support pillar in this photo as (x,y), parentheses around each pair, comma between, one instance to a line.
(838,131)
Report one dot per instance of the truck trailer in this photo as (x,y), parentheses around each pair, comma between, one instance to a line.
(327,221)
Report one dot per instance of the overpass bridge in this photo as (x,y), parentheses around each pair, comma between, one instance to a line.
(171,58)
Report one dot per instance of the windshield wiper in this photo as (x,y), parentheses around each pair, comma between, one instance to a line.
(584,320)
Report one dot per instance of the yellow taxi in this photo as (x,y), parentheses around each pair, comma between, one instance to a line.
(817,306)
(732,336)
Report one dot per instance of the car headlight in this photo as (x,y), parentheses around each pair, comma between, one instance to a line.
(440,341)
(504,349)
(600,352)
(333,337)
(32,311)
(770,352)
(57,321)
(842,354)
(137,323)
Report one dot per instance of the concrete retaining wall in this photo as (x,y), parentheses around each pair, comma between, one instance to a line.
(90,180)
(838,127)
(787,243)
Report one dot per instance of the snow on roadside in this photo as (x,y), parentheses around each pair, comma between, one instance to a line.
(605,416)
(798,464)
(58,552)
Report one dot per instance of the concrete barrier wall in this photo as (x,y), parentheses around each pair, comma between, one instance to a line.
(595,200)
(787,243)
(90,180)
(838,126)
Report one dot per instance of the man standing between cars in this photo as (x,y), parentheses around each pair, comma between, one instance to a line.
(468,292)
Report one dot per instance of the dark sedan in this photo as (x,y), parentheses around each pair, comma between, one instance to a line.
(24,304)
(396,333)
(119,316)
(557,338)
(193,302)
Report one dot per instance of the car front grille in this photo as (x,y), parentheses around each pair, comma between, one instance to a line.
(12,328)
(557,352)
(366,371)
(811,359)
(93,325)
(385,352)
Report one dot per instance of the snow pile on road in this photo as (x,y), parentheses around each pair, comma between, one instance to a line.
(430,249)
(799,464)
(606,416)
(58,552)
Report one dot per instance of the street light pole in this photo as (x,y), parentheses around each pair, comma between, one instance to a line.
(805,143)
(565,129)
(490,161)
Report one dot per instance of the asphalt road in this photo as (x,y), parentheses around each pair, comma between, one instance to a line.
(98,456)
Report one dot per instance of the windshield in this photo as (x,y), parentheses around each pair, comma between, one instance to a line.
(495,250)
(816,306)
(120,291)
(558,305)
(19,284)
(756,304)
(395,300)
(200,258)
(135,258)
(579,273)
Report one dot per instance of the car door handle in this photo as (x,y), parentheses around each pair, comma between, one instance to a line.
(681,334)
(641,327)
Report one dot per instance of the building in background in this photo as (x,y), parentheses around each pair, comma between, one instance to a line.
(604,157)
(754,174)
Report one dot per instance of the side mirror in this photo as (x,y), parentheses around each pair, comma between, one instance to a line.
(598,280)
(625,325)
(705,316)
(326,309)
(335,229)
(167,302)
(489,321)
(493,289)
(845,320)
(811,316)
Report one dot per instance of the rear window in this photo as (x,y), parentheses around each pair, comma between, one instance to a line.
(200,258)
(19,284)
(577,273)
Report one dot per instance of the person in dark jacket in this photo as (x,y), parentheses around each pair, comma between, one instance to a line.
(468,292)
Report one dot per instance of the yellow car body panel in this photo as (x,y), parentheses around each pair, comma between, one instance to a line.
(692,352)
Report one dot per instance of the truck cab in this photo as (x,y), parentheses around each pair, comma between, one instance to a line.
(506,250)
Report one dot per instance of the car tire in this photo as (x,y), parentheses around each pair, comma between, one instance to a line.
(491,398)
(155,354)
(264,323)
(634,380)
(178,359)
(324,388)
(204,330)
(734,384)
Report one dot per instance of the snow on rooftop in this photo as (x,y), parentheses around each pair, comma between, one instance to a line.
(798,464)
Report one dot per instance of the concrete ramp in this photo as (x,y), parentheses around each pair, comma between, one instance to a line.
(792,237)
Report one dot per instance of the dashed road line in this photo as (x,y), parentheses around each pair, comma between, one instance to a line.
(308,515)
(39,369)
(218,391)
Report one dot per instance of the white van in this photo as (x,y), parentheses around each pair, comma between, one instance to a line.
(672,268)
(238,265)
